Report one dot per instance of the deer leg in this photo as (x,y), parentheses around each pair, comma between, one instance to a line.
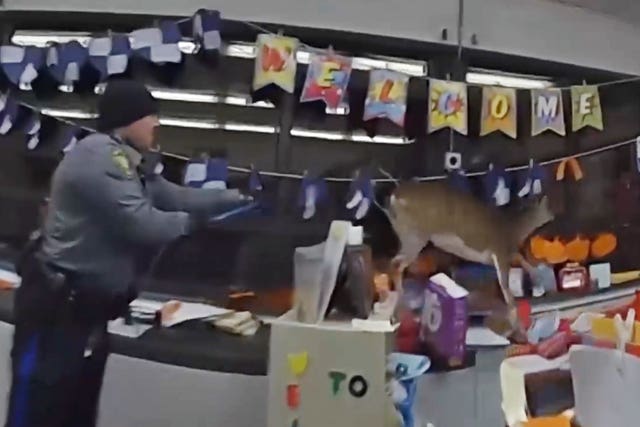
(512,329)
(410,248)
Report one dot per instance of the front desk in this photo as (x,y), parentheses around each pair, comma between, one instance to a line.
(193,375)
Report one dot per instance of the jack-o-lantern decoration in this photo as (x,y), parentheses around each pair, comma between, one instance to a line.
(556,252)
(603,245)
(538,247)
(577,250)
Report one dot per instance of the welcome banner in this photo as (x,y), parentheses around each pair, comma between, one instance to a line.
(275,62)
(387,96)
(447,106)
(499,111)
(546,111)
(327,79)
(586,110)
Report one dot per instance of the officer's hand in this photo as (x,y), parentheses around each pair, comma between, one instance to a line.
(151,165)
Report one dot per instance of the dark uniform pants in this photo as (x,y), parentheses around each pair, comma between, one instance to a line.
(57,366)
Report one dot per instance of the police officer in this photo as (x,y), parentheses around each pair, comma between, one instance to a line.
(108,203)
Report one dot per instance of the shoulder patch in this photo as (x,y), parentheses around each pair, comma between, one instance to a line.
(122,162)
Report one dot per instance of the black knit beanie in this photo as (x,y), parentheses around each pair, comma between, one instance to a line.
(124,102)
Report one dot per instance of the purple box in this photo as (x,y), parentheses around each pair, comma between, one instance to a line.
(444,323)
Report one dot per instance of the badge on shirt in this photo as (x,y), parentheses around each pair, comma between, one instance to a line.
(121,162)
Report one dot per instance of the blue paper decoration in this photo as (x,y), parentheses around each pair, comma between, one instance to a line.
(313,191)
(496,184)
(65,62)
(110,55)
(459,180)
(158,45)
(255,181)
(32,130)
(21,64)
(532,180)
(207,173)
(206,29)
(361,195)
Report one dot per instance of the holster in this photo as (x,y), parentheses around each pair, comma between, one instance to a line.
(44,294)
(49,294)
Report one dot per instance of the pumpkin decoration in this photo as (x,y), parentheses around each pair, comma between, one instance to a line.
(604,244)
(577,250)
(555,252)
(538,247)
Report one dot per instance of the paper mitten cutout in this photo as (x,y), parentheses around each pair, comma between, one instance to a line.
(361,195)
(9,115)
(312,193)
(32,131)
(207,173)
(638,154)
(64,62)
(497,186)
(459,180)
(21,65)
(310,199)
(158,45)
(532,180)
(110,55)
(255,181)
(206,29)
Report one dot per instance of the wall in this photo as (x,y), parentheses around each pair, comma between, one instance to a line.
(533,28)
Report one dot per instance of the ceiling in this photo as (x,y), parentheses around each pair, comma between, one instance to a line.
(627,10)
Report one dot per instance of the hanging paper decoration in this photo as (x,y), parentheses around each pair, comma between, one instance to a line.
(327,79)
(387,96)
(32,130)
(448,106)
(158,45)
(496,184)
(275,62)
(255,181)
(70,138)
(638,154)
(207,173)
(586,109)
(110,55)
(361,195)
(499,111)
(546,111)
(459,180)
(9,114)
(21,64)
(206,29)
(573,166)
(532,180)
(313,191)
(65,61)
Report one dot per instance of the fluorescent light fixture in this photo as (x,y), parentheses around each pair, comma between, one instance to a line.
(188,123)
(68,114)
(206,97)
(339,136)
(507,80)
(242,127)
(171,121)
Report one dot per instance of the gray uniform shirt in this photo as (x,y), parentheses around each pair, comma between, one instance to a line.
(100,212)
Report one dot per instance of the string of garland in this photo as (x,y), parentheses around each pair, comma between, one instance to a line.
(386,179)
(240,169)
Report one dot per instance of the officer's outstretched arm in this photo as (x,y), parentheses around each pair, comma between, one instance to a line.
(171,197)
(112,188)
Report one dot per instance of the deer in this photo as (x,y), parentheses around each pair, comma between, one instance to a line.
(460,224)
